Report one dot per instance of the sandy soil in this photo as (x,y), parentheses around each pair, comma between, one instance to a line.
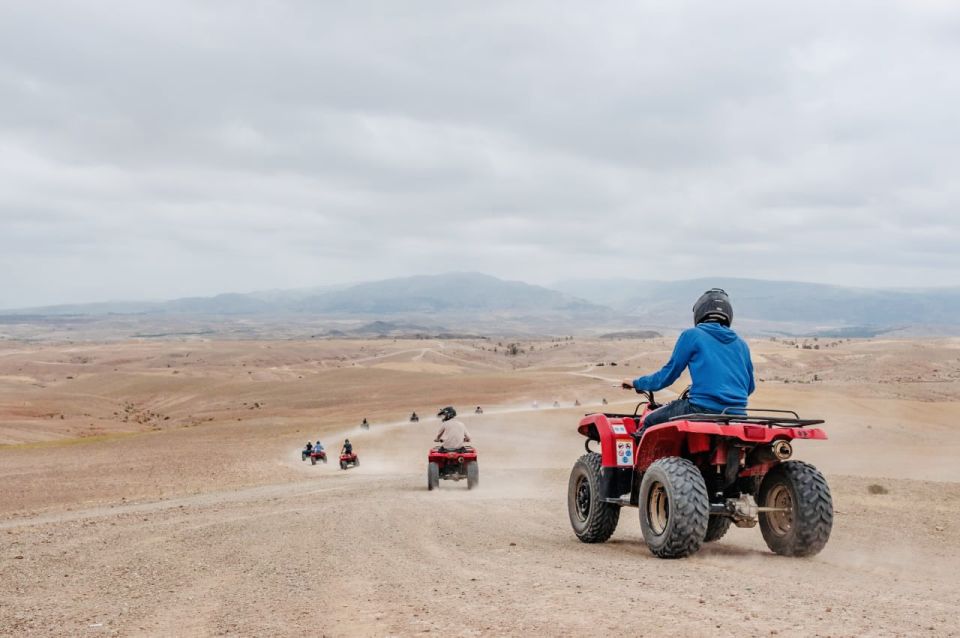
(170,499)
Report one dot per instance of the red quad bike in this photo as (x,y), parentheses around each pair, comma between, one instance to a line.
(318,456)
(452,466)
(349,460)
(694,475)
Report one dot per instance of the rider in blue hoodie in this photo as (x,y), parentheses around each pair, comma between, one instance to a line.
(719,362)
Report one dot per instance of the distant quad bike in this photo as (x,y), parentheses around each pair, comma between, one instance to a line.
(349,460)
(365,425)
(318,455)
(414,418)
(694,475)
(453,465)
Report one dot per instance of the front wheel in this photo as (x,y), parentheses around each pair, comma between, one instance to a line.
(593,520)
(674,508)
(313,461)
(343,465)
(802,526)
(473,475)
(716,528)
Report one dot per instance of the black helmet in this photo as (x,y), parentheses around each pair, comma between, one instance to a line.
(447,413)
(713,306)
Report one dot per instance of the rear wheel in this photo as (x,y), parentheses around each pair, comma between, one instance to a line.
(433,476)
(473,475)
(717,526)
(593,520)
(674,508)
(803,527)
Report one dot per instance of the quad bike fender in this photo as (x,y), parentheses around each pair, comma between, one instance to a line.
(670,438)
(444,458)
(615,435)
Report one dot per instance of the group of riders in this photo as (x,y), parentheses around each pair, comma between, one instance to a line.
(316,448)
(311,448)
(414,418)
(452,436)
(721,372)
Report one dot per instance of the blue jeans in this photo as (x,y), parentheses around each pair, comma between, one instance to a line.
(672,410)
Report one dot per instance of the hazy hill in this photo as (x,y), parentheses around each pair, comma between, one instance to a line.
(769,302)
(454,292)
(447,293)
(481,303)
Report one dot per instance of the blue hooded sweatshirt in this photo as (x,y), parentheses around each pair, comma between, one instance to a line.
(720,367)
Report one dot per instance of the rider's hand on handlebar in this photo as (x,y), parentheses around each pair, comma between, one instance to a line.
(627,384)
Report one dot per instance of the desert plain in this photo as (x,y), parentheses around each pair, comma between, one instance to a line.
(155,487)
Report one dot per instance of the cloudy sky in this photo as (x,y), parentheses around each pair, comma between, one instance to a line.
(165,149)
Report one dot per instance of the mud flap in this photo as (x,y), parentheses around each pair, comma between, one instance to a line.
(615,482)
(732,467)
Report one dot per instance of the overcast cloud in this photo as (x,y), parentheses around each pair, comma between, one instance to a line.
(166,149)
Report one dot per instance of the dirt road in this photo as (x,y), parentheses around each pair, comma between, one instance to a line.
(369,551)
(156,488)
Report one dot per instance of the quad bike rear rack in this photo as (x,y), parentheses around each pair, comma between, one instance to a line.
(727,418)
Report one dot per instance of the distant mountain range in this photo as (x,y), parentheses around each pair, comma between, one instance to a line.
(824,308)
(472,300)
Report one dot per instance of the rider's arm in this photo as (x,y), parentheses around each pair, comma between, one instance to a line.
(440,433)
(466,435)
(753,385)
(682,353)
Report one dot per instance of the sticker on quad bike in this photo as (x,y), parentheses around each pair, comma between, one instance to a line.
(619,429)
(624,452)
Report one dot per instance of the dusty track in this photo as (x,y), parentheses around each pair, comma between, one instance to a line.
(313,549)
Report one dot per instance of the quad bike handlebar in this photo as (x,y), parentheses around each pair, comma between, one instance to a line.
(648,395)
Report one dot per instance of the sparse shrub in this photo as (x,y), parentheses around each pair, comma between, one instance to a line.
(875,488)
